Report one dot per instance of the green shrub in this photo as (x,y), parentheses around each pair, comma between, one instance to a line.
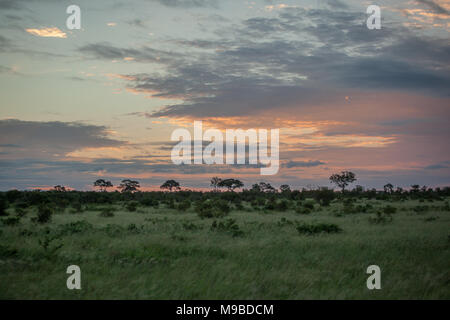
(389,210)
(20,212)
(302,210)
(77,207)
(7,252)
(229,226)
(51,243)
(3,206)
(75,227)
(132,206)
(212,208)
(107,212)
(184,205)
(381,218)
(282,206)
(309,204)
(149,202)
(421,209)
(316,228)
(11,221)
(114,230)
(44,214)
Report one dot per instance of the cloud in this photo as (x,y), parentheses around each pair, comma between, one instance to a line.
(303,164)
(47,32)
(189,3)
(441,165)
(52,139)
(437,8)
(107,51)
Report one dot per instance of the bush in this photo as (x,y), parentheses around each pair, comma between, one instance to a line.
(20,212)
(3,206)
(7,252)
(324,196)
(75,227)
(44,214)
(107,212)
(11,221)
(114,230)
(389,210)
(77,207)
(309,204)
(149,202)
(131,206)
(315,228)
(212,209)
(50,243)
(301,210)
(283,205)
(381,218)
(229,226)
(184,205)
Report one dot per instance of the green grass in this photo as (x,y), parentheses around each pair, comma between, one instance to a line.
(167,254)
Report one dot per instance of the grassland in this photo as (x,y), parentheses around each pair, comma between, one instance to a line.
(161,253)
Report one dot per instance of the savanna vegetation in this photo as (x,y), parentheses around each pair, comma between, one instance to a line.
(258,243)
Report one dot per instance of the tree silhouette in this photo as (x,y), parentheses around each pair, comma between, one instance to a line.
(230,184)
(342,180)
(215,181)
(59,188)
(128,185)
(103,184)
(170,184)
(388,188)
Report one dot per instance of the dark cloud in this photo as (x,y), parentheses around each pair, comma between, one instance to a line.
(434,6)
(108,51)
(303,164)
(45,139)
(189,3)
(441,165)
(263,64)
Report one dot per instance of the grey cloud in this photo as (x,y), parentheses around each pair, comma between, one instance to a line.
(303,164)
(434,6)
(108,51)
(43,139)
(189,3)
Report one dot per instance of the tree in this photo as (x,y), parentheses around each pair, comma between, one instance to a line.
(388,188)
(285,188)
(230,184)
(266,187)
(103,184)
(3,205)
(128,185)
(215,181)
(170,184)
(59,188)
(343,179)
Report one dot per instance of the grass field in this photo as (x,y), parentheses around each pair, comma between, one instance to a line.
(168,254)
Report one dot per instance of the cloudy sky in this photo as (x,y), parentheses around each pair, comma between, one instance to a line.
(102,101)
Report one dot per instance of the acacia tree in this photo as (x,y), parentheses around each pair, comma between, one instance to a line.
(266,187)
(102,184)
(128,185)
(170,184)
(343,179)
(215,181)
(388,188)
(284,188)
(230,184)
(59,188)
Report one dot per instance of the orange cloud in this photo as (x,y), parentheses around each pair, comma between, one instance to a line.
(47,32)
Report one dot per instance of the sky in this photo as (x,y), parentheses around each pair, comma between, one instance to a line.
(103,101)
